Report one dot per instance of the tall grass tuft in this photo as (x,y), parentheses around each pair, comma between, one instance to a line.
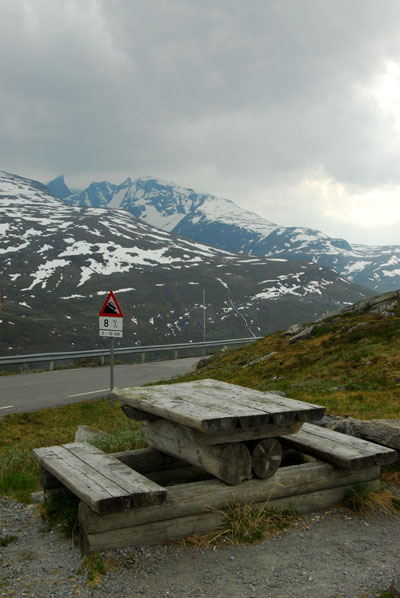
(18,474)
(364,498)
(245,523)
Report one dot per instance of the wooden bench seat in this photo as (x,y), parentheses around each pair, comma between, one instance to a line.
(346,452)
(98,479)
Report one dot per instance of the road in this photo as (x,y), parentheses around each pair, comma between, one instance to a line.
(30,392)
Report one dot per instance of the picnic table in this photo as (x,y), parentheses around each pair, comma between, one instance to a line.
(228,430)
(199,431)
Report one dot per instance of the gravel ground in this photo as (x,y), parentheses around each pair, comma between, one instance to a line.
(327,555)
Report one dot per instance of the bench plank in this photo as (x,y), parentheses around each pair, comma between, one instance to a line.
(141,490)
(344,451)
(98,479)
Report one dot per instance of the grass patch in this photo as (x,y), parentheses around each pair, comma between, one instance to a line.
(363,498)
(245,523)
(6,540)
(62,511)
(95,566)
(121,440)
(18,474)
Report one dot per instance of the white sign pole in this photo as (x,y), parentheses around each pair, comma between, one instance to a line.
(111,371)
(110,324)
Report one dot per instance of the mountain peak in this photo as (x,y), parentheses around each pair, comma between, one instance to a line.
(58,187)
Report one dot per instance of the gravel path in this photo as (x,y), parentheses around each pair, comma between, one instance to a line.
(325,556)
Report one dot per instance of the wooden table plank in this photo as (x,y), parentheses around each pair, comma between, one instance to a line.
(213,406)
(248,416)
(175,409)
(247,398)
(265,401)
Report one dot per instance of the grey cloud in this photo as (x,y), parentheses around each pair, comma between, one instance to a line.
(256,91)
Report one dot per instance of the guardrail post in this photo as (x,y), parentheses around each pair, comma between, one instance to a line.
(143,358)
(102,360)
(51,365)
(176,354)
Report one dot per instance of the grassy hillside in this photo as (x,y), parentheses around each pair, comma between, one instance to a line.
(350,362)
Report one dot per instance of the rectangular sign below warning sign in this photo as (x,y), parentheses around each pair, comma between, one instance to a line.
(110,326)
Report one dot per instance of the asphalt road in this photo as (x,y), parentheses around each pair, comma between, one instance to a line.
(30,392)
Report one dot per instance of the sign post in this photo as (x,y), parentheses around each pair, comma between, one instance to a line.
(111,321)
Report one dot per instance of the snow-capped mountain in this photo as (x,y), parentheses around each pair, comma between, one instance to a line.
(221,223)
(58,262)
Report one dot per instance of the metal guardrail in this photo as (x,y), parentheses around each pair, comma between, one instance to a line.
(71,355)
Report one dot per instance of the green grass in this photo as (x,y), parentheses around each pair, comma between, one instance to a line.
(62,510)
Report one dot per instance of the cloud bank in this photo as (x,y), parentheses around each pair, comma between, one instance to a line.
(289,108)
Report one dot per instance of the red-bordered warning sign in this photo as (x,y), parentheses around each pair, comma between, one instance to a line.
(111,307)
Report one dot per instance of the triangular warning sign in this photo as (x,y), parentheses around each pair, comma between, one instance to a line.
(111,307)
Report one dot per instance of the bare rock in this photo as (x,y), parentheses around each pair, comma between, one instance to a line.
(87,434)
(259,359)
(280,393)
(303,334)
(381,431)
(37,498)
(295,329)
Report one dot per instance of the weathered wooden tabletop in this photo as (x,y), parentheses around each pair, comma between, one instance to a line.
(211,406)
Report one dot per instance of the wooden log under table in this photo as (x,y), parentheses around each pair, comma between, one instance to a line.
(230,462)
(266,456)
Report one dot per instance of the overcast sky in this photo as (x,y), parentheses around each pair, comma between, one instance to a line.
(291,108)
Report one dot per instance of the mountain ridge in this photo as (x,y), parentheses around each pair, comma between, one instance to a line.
(220,223)
(58,261)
